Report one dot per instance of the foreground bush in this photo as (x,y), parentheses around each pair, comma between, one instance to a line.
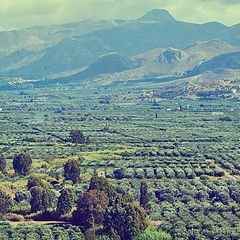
(38,232)
(153,234)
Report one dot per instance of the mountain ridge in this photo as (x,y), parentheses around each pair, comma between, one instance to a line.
(155,45)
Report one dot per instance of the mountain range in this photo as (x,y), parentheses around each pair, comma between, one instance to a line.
(154,46)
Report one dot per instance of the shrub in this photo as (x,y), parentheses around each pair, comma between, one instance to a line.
(169,173)
(150,173)
(119,173)
(104,237)
(204,177)
(209,172)
(129,173)
(190,174)
(179,173)
(160,173)
(139,172)
(219,172)
(153,234)
(198,172)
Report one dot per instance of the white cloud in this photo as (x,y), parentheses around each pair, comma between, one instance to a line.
(24,13)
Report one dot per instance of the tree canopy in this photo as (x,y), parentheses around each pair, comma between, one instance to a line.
(72,171)
(22,164)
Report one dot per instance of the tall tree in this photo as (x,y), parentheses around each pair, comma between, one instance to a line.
(36,199)
(3,164)
(22,164)
(78,137)
(5,203)
(91,208)
(126,217)
(47,199)
(102,184)
(41,200)
(65,201)
(144,194)
(72,171)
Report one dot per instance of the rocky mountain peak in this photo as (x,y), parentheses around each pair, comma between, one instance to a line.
(157,15)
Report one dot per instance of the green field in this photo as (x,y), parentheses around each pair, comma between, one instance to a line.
(189,151)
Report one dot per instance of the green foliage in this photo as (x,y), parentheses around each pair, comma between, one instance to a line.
(5,203)
(172,152)
(38,232)
(91,208)
(3,163)
(119,173)
(102,184)
(127,218)
(153,234)
(65,201)
(34,181)
(144,197)
(72,171)
(41,199)
(21,196)
(104,237)
(22,164)
(78,137)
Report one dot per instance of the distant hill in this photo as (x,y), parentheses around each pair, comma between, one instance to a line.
(69,53)
(161,63)
(109,63)
(223,61)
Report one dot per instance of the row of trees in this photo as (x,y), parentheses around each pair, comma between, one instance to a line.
(167,172)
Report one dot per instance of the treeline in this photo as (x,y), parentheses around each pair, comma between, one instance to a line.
(102,210)
(167,172)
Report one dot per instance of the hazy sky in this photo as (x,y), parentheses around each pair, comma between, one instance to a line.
(25,13)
